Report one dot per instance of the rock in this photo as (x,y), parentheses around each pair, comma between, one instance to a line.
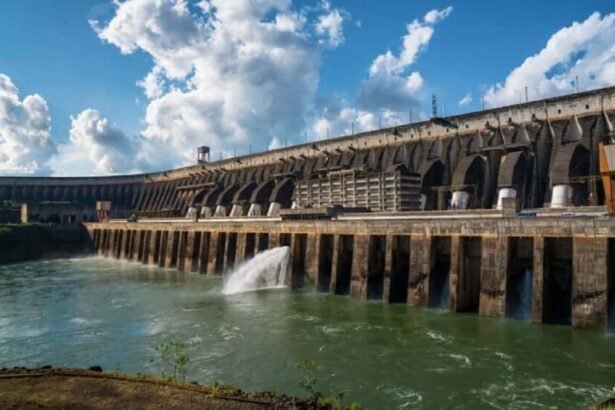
(95,369)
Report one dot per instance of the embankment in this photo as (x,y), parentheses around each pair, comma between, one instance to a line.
(79,389)
(21,242)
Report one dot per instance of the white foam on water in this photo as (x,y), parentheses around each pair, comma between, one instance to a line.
(266,270)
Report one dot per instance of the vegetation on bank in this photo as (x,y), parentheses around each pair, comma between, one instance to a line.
(172,360)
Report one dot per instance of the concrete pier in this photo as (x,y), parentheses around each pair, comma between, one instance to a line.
(473,266)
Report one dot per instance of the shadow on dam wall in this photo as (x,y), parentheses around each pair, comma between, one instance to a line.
(21,242)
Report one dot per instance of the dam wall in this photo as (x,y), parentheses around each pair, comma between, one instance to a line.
(541,153)
(548,269)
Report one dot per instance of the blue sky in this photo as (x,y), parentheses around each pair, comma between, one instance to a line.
(49,48)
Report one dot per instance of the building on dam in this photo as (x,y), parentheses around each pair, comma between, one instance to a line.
(501,212)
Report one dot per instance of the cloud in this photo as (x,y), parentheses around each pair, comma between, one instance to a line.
(95,147)
(25,132)
(585,50)
(337,118)
(225,73)
(418,35)
(466,100)
(153,84)
(331,25)
(391,90)
(390,86)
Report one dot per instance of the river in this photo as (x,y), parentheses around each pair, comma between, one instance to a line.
(96,311)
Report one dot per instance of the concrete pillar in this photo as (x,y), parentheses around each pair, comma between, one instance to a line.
(125,244)
(193,240)
(181,251)
(96,239)
(133,245)
(117,252)
(110,243)
(455,268)
(358,279)
(154,248)
(493,271)
(171,249)
(388,261)
(240,254)
(312,257)
(147,238)
(162,250)
(108,234)
(101,242)
(203,253)
(213,248)
(590,283)
(298,260)
(420,266)
(140,245)
(274,240)
(538,278)
(334,261)
(376,257)
(230,251)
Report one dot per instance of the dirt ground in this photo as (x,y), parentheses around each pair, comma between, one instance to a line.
(48,388)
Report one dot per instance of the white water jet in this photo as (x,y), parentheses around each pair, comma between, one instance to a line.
(265,270)
(519,305)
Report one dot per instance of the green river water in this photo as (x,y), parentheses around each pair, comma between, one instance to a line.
(94,311)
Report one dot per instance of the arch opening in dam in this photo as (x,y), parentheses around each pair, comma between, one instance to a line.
(299,246)
(440,274)
(220,252)
(400,269)
(557,280)
(343,271)
(468,276)
(325,262)
(375,266)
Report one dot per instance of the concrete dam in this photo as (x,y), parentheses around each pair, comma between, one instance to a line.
(501,212)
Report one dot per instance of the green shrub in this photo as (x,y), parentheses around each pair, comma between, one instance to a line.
(172,355)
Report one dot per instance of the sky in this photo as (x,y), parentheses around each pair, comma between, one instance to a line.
(97,87)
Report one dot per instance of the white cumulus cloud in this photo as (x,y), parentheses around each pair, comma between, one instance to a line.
(25,132)
(95,147)
(225,74)
(331,25)
(584,49)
